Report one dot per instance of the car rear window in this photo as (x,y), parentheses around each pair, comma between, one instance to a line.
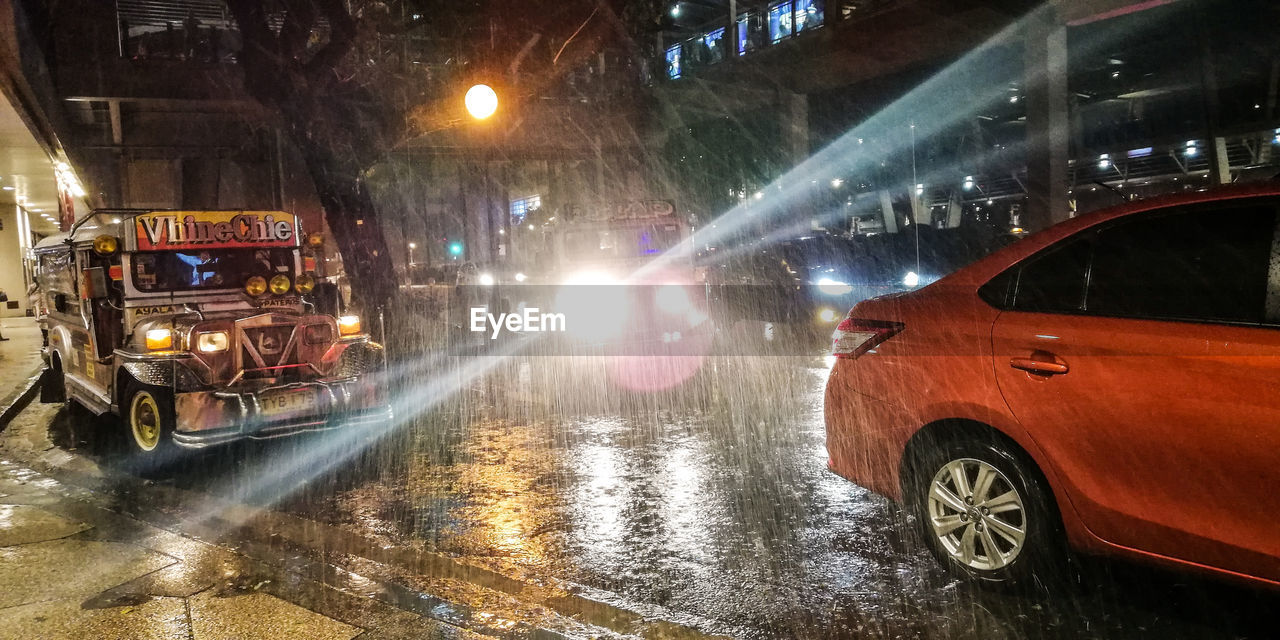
(1202,265)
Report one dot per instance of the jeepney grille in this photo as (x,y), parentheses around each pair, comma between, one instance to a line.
(357,360)
(263,350)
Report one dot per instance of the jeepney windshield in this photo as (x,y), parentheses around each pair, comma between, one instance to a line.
(621,241)
(207,269)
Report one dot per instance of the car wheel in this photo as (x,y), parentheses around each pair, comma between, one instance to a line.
(149,420)
(987,516)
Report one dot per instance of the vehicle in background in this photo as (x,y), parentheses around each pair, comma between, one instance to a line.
(196,328)
(812,280)
(627,269)
(1111,384)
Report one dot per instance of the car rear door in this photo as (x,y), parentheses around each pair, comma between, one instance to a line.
(1156,393)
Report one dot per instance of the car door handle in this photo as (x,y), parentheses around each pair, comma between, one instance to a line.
(1039,365)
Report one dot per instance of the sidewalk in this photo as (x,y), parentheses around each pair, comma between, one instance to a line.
(20,364)
(88,551)
(72,565)
(71,570)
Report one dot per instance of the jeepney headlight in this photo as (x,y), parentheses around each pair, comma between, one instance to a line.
(305,283)
(212,342)
(159,339)
(255,286)
(349,325)
(105,245)
(280,284)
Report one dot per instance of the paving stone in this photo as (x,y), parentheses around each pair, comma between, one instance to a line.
(259,615)
(70,569)
(154,619)
(23,524)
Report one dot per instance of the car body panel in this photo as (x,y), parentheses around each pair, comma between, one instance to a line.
(1183,463)
(1197,498)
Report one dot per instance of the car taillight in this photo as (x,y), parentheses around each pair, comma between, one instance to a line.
(856,336)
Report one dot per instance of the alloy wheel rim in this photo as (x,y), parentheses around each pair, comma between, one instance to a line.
(144,420)
(977,514)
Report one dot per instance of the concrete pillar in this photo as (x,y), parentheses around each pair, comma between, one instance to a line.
(953,211)
(920,214)
(886,211)
(1048,124)
(1219,163)
(13,245)
(731,32)
(795,126)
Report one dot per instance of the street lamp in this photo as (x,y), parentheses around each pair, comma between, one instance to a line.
(481,101)
(412,246)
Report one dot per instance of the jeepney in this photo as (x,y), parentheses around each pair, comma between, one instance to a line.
(198,328)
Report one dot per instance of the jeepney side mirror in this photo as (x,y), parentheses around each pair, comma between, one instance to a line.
(60,302)
(95,282)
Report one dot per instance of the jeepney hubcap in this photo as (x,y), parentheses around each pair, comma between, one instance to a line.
(144,419)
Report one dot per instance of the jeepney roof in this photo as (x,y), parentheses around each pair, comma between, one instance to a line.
(55,240)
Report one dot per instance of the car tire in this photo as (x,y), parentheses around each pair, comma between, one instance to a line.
(149,420)
(987,515)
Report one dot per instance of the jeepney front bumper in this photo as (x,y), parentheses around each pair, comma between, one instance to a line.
(207,418)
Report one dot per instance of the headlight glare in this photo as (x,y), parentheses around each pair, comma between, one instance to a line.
(159,339)
(349,325)
(833,287)
(212,342)
(672,298)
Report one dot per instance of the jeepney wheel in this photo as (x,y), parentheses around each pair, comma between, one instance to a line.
(149,421)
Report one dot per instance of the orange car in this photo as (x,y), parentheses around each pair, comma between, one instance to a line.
(1111,384)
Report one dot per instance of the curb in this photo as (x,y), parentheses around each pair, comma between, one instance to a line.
(15,402)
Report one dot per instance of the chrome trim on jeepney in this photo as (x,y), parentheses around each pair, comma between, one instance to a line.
(361,418)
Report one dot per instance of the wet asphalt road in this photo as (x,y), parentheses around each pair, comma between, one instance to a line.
(710,501)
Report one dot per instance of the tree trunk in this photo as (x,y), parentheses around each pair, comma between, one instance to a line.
(355,225)
(339,127)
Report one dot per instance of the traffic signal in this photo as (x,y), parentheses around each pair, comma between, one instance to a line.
(455,248)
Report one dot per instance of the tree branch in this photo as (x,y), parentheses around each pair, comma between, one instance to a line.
(342,35)
(258,52)
(299,21)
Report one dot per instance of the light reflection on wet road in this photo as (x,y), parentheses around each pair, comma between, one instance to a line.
(714,501)
(709,505)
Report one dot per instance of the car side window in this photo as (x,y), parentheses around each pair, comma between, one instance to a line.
(1054,281)
(1205,264)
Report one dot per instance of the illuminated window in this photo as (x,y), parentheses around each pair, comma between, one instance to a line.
(674,69)
(521,208)
(714,42)
(808,15)
(780,21)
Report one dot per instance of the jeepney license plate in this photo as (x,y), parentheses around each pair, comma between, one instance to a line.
(287,402)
